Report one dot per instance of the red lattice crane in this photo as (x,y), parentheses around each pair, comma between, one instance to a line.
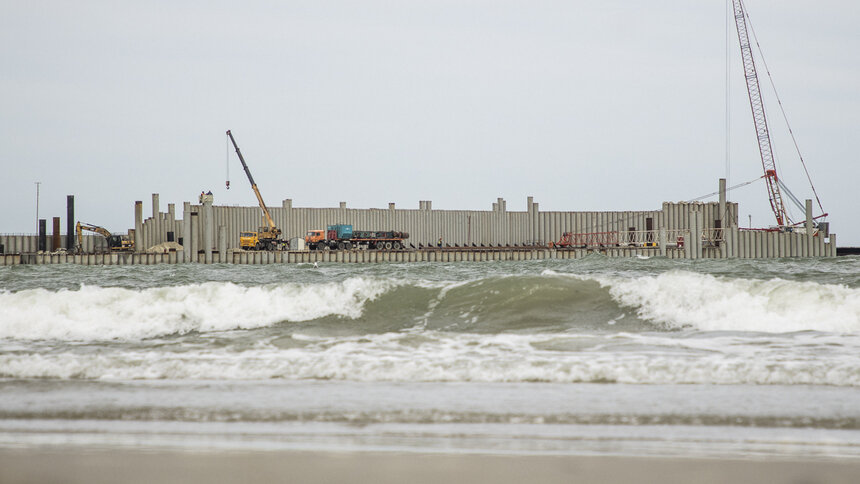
(762,133)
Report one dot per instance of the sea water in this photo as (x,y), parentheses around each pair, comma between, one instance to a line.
(596,356)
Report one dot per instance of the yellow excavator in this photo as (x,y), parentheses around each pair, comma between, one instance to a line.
(268,236)
(116,243)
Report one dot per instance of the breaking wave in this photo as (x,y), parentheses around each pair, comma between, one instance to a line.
(707,303)
(96,313)
(549,302)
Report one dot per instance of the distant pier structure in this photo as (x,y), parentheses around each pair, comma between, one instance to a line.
(207,233)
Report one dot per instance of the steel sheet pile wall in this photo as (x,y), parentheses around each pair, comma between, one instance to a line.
(758,244)
(681,230)
(462,227)
(424,225)
(551,225)
(495,227)
(29,243)
(500,227)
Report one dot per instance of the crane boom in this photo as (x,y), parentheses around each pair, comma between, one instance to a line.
(269,221)
(762,133)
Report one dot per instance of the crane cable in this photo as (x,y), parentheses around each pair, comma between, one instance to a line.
(727,190)
(784,116)
(227,158)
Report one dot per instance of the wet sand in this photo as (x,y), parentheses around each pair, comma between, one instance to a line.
(101,466)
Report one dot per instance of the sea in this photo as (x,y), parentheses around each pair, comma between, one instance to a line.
(749,359)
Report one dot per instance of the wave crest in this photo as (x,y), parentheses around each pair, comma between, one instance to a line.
(96,313)
(550,302)
(681,299)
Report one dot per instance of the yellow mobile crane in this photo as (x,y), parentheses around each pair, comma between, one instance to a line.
(267,237)
(116,243)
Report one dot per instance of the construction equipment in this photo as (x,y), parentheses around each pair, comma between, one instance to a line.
(774,184)
(116,243)
(266,237)
(343,237)
(765,146)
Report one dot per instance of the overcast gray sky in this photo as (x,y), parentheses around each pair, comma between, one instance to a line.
(610,105)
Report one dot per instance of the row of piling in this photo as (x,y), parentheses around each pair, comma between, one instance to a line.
(334,256)
(722,244)
(712,244)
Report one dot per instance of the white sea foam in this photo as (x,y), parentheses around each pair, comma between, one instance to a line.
(95,313)
(476,358)
(689,300)
(680,299)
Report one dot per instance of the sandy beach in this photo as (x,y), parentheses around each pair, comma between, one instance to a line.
(105,466)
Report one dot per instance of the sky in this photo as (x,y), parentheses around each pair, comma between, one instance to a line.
(610,105)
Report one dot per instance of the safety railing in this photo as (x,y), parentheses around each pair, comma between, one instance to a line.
(675,239)
(639,238)
(712,237)
(633,238)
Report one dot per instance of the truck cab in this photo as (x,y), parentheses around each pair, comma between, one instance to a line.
(315,239)
(334,237)
(249,240)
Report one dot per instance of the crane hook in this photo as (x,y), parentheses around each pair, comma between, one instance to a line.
(227,158)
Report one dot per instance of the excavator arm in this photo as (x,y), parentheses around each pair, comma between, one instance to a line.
(79,228)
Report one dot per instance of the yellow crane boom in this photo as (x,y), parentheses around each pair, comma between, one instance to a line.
(269,235)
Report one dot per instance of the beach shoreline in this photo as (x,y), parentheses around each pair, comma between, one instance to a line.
(94,466)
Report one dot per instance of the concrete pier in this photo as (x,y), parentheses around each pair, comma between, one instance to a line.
(43,235)
(155,234)
(138,227)
(222,244)
(208,230)
(195,240)
(55,235)
(70,222)
(186,230)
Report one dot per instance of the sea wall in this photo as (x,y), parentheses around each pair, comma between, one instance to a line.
(29,243)
(211,227)
(339,256)
(210,234)
(734,243)
(712,244)
(425,225)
